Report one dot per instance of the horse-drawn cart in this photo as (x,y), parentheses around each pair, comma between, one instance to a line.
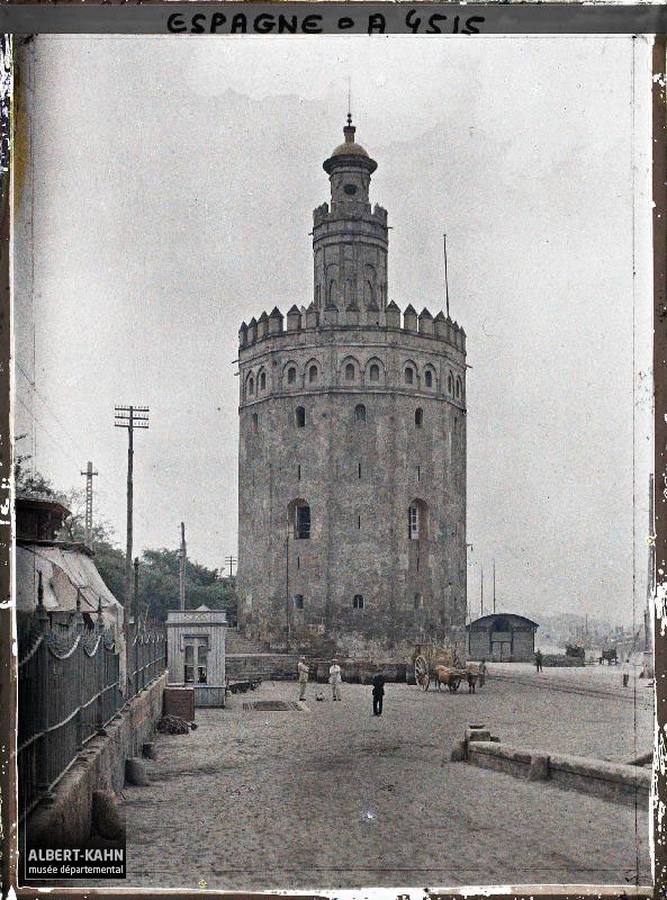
(443,667)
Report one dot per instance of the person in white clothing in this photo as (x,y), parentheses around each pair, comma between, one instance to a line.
(302,669)
(335,679)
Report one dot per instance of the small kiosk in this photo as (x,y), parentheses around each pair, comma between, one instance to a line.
(196,653)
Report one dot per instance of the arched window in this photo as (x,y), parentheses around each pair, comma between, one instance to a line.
(254,421)
(419,417)
(312,374)
(300,416)
(374,372)
(360,412)
(349,372)
(459,389)
(409,375)
(331,295)
(428,378)
(251,386)
(450,383)
(262,381)
(357,601)
(291,375)
(298,601)
(419,601)
(299,517)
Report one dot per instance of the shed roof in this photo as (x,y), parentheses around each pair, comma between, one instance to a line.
(514,618)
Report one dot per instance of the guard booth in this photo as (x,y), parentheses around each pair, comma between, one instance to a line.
(505,637)
(196,653)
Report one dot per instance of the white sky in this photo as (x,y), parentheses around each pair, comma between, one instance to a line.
(175,181)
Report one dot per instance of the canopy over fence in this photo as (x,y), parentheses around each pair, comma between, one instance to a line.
(70,686)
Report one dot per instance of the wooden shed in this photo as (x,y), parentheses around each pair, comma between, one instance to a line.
(502,637)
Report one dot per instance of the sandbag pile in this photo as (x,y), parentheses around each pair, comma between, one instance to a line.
(173,725)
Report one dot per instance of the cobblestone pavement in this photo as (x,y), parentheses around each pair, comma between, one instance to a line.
(332,797)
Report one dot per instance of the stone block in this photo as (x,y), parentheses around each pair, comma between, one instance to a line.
(458,752)
(539,767)
(107,820)
(477,733)
(136,772)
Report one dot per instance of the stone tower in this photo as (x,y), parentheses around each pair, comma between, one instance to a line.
(352,452)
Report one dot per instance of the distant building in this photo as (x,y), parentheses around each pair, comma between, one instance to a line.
(502,638)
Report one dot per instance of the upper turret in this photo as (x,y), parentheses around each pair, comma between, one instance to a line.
(350,239)
(349,169)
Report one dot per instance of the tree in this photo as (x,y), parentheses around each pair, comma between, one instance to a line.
(159,585)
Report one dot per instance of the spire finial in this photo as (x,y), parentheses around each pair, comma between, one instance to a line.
(349,129)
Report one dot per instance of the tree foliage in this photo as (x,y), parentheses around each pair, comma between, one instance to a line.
(158,574)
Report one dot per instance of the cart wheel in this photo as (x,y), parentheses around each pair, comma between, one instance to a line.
(422,677)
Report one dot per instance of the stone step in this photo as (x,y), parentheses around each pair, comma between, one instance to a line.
(236,643)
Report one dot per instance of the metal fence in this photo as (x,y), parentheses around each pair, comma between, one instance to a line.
(70,686)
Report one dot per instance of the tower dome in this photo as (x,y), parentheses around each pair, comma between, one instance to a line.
(349,152)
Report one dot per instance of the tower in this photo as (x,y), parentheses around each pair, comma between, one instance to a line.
(350,240)
(352,437)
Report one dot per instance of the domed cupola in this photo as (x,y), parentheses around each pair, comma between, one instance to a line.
(349,153)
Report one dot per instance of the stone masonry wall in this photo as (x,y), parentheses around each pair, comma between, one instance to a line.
(358,478)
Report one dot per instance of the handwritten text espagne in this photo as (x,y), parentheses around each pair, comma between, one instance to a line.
(280,23)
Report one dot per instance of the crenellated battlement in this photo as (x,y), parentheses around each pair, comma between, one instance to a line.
(312,319)
(323,214)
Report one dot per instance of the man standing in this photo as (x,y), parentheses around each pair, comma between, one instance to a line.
(625,672)
(335,679)
(538,660)
(303,677)
(378,693)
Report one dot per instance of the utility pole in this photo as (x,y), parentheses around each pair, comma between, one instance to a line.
(181,567)
(230,562)
(494,587)
(481,593)
(130,417)
(88,539)
(136,591)
(287,622)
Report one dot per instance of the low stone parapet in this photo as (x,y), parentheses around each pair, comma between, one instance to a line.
(610,781)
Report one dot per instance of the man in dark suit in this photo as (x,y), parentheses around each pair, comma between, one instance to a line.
(378,693)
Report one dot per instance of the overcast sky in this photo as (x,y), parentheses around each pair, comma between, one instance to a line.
(174,185)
